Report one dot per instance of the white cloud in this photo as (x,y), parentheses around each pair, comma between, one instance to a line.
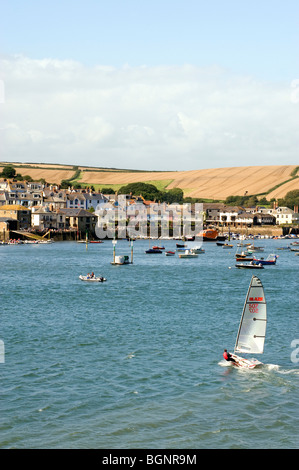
(163,118)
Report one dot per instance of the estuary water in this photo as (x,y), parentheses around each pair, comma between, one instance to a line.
(136,362)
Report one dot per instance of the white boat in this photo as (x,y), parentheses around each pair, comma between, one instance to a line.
(120,260)
(250,265)
(252,329)
(254,249)
(188,254)
(197,249)
(92,279)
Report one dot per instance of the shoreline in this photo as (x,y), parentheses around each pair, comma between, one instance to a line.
(256,232)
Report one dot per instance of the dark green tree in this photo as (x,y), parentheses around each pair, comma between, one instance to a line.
(8,171)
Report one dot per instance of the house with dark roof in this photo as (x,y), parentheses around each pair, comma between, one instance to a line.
(79,220)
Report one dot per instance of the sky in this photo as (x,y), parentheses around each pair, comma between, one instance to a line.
(159,85)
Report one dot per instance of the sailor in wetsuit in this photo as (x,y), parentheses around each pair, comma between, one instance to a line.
(227,356)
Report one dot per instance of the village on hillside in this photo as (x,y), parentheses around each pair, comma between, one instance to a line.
(35,207)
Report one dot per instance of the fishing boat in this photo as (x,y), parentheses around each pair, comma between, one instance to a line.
(252,329)
(249,266)
(92,279)
(169,253)
(271,260)
(188,254)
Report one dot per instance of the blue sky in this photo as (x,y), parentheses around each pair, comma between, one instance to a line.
(211,47)
(258,38)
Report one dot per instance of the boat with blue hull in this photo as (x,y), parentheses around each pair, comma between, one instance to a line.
(270,261)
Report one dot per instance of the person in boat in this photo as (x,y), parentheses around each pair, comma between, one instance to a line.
(227,356)
(92,275)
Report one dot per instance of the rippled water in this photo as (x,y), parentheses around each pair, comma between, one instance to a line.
(136,362)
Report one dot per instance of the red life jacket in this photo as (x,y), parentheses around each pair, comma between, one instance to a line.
(225,355)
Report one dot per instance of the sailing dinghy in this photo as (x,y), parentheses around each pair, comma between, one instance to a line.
(252,329)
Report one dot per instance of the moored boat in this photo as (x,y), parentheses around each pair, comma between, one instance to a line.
(197,249)
(188,254)
(271,260)
(254,249)
(249,266)
(169,253)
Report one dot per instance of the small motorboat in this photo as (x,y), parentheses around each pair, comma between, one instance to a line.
(92,279)
(198,250)
(188,254)
(271,260)
(249,266)
(158,248)
(254,249)
(169,253)
(178,245)
(152,250)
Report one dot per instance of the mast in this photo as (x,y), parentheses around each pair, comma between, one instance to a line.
(241,321)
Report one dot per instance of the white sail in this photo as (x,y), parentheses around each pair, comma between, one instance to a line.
(252,329)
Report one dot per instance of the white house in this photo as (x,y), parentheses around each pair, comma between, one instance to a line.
(80,200)
(285,215)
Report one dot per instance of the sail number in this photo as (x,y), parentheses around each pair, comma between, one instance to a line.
(253,308)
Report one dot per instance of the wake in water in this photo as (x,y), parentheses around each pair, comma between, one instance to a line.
(262,367)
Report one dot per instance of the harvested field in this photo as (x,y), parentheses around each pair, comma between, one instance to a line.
(217,183)
(51,176)
(282,190)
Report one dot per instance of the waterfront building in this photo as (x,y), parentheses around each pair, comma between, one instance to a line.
(17,212)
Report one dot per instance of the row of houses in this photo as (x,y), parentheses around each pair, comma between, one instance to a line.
(35,206)
(32,194)
(224,215)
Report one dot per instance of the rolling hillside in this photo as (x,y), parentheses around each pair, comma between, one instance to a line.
(217,183)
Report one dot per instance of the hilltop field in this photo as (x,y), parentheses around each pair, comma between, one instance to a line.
(218,183)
